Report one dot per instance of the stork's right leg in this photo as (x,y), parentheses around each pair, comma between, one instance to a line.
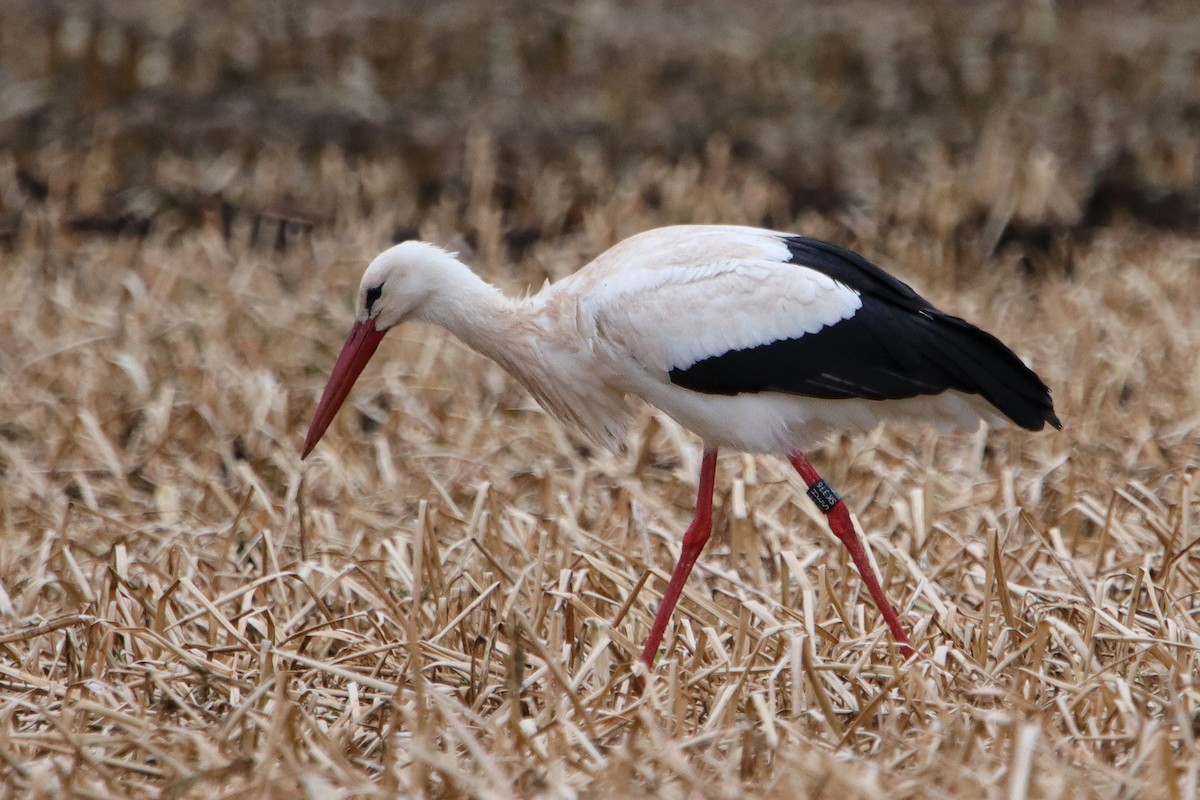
(839,522)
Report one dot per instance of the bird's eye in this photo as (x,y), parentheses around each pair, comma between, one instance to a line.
(373,295)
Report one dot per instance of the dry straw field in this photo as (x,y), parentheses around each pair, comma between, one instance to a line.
(445,600)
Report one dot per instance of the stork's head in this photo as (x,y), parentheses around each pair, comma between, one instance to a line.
(398,284)
(399,281)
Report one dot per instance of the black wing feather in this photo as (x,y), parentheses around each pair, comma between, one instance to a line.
(897,345)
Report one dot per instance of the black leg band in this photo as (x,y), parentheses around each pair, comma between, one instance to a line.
(823,495)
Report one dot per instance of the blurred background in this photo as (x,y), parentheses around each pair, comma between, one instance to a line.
(996,127)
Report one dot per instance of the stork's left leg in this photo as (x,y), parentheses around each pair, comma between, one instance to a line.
(838,518)
(693,542)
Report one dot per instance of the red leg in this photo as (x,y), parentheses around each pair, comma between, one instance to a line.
(693,542)
(839,522)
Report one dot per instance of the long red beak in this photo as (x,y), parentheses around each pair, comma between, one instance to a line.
(356,352)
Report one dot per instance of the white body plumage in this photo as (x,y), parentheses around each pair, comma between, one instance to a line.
(661,300)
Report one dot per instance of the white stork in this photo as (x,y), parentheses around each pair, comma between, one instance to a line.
(755,340)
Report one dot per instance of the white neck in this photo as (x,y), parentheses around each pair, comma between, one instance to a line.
(479,314)
(528,343)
